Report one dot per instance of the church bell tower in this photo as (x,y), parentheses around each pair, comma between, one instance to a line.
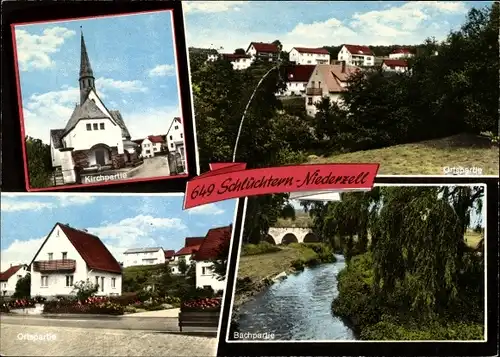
(87,80)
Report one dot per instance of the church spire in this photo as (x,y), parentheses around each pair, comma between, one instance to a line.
(87,80)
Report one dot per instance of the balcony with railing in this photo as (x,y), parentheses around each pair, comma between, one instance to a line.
(314,91)
(54,266)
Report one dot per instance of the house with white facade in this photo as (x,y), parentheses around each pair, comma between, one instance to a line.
(355,55)
(69,255)
(327,80)
(143,256)
(216,242)
(400,53)
(239,61)
(191,245)
(174,140)
(310,56)
(395,65)
(10,277)
(263,51)
(152,145)
(94,137)
(297,77)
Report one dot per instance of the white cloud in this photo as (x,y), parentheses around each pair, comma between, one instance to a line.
(139,231)
(79,200)
(154,121)
(52,110)
(33,51)
(20,252)
(398,23)
(211,6)
(162,70)
(9,203)
(209,209)
(105,84)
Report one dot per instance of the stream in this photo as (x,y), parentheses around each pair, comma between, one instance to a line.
(299,307)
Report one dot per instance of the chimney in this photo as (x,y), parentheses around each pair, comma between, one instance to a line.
(11,265)
(343,66)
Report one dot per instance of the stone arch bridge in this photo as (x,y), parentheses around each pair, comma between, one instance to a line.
(290,235)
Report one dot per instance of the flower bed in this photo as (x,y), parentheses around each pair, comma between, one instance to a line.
(206,304)
(21,303)
(92,305)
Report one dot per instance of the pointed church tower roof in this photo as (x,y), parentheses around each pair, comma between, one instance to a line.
(85,68)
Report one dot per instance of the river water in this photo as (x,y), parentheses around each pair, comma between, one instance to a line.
(299,307)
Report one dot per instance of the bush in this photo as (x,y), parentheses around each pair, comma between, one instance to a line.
(143,295)
(154,307)
(4,307)
(21,304)
(84,289)
(206,304)
(261,248)
(298,264)
(125,299)
(69,307)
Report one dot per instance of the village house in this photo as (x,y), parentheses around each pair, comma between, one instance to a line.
(239,61)
(296,80)
(169,255)
(395,65)
(174,140)
(69,255)
(191,245)
(214,244)
(327,80)
(10,277)
(263,51)
(311,56)
(400,53)
(143,256)
(355,55)
(94,137)
(152,145)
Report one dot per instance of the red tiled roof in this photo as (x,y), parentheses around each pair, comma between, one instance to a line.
(395,63)
(234,56)
(190,241)
(401,50)
(155,138)
(300,73)
(169,253)
(188,250)
(264,47)
(9,272)
(178,119)
(317,51)
(359,50)
(214,241)
(92,250)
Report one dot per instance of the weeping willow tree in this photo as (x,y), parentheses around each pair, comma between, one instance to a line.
(419,249)
(345,224)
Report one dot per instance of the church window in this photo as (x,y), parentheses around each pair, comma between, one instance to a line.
(95,126)
(89,127)
(101,126)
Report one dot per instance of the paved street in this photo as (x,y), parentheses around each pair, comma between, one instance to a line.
(152,167)
(73,341)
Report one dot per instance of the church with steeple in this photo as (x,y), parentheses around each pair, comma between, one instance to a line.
(94,138)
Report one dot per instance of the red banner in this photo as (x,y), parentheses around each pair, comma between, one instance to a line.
(227,181)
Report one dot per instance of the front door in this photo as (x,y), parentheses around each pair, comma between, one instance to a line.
(99,158)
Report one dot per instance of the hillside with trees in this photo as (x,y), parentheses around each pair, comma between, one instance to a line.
(454,92)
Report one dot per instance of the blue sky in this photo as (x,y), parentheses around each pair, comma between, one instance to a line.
(234,24)
(133,60)
(122,222)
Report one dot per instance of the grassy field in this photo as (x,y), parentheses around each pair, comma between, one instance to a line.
(261,266)
(426,157)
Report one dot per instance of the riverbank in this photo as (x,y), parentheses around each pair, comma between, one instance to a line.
(261,264)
